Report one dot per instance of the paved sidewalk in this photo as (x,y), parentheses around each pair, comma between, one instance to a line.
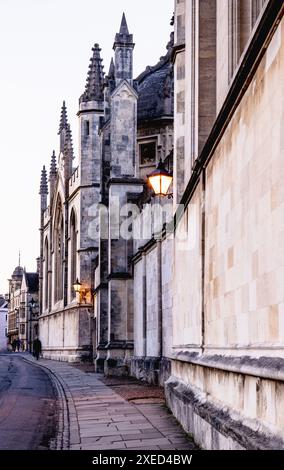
(101,419)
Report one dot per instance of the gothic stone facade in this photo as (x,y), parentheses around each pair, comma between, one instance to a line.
(125,127)
(226,385)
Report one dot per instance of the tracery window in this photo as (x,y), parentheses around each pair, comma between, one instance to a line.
(243,15)
(58,252)
(46,274)
(73,251)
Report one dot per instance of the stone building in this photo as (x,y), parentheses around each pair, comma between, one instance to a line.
(29,310)
(3,323)
(23,307)
(226,385)
(14,303)
(125,128)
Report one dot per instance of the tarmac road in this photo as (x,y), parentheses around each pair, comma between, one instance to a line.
(28,410)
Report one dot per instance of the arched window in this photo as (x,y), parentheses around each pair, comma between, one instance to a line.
(46,273)
(58,252)
(73,251)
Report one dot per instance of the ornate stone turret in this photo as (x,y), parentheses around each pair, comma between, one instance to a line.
(91,109)
(52,173)
(123,48)
(95,78)
(43,191)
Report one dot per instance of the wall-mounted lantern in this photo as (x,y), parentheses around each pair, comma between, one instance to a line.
(160,180)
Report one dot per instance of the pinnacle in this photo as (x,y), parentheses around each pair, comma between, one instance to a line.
(123,26)
(111,71)
(123,37)
(53,169)
(68,146)
(63,118)
(43,182)
(95,77)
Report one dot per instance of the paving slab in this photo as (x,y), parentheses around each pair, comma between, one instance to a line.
(101,419)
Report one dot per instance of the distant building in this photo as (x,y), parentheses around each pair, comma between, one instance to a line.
(23,307)
(28,322)
(3,323)
(14,303)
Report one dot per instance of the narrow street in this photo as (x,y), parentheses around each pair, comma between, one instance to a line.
(27,405)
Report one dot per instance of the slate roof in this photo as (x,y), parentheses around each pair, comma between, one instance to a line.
(3,302)
(18,271)
(155,88)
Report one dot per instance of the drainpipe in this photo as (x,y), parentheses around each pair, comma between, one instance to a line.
(203,176)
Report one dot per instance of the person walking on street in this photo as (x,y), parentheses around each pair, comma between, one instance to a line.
(37,348)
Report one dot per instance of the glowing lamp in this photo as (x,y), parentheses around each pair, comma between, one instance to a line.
(160,180)
(77,286)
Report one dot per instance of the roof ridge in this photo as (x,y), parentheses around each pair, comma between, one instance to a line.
(162,61)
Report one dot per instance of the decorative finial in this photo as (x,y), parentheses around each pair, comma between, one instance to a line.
(19,258)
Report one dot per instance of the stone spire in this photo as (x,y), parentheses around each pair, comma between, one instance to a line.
(95,78)
(52,173)
(110,79)
(63,118)
(123,52)
(111,71)
(43,191)
(109,86)
(123,37)
(123,26)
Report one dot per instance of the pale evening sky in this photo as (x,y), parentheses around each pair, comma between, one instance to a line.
(45,47)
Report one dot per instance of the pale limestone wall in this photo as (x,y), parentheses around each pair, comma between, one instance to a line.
(152,303)
(152,330)
(138,308)
(255,401)
(244,265)
(187,277)
(167,294)
(244,224)
(65,334)
(244,260)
